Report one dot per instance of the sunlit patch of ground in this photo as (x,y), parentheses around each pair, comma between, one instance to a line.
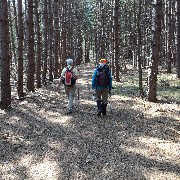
(138,140)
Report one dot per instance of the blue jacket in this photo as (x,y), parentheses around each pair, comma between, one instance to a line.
(95,86)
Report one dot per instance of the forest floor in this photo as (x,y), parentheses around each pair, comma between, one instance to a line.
(137,140)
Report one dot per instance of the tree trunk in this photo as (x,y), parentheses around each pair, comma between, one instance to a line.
(139,49)
(170,38)
(50,40)
(20,50)
(178,39)
(155,53)
(56,39)
(38,48)
(13,50)
(134,35)
(116,24)
(64,34)
(87,49)
(30,53)
(45,55)
(4,56)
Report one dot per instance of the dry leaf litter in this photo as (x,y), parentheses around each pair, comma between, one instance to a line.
(138,140)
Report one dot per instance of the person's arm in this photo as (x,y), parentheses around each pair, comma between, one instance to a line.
(110,82)
(59,83)
(94,79)
(75,73)
(60,79)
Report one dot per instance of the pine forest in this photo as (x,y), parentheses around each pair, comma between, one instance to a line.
(140,136)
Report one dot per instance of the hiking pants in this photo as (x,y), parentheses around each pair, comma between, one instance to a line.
(71,93)
(102,95)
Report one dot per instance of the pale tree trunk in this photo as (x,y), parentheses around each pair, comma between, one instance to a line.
(152,96)
(5,56)
(13,49)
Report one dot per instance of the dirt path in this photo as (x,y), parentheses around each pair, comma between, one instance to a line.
(139,140)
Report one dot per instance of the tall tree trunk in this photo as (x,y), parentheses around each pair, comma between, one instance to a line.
(56,39)
(39,44)
(64,34)
(4,56)
(134,36)
(79,40)
(178,39)
(87,49)
(45,56)
(155,53)
(20,50)
(116,24)
(170,38)
(112,39)
(139,49)
(13,49)
(50,40)
(30,53)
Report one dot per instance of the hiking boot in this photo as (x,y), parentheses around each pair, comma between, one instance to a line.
(99,107)
(99,113)
(104,109)
(69,111)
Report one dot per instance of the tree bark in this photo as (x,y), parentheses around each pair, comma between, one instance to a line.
(116,24)
(20,50)
(38,46)
(50,39)
(45,52)
(56,39)
(139,49)
(4,56)
(30,53)
(152,96)
(170,38)
(178,39)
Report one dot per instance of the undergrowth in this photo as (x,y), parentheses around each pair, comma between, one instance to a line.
(168,86)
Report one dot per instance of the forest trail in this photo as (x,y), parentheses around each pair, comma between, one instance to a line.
(138,140)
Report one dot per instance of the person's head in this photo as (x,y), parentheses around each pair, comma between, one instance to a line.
(103,61)
(69,62)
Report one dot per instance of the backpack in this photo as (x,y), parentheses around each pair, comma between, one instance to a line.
(69,79)
(102,76)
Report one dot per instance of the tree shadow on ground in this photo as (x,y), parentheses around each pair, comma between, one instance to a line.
(83,146)
(39,141)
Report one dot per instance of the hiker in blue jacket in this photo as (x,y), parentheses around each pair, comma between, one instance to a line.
(102,84)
